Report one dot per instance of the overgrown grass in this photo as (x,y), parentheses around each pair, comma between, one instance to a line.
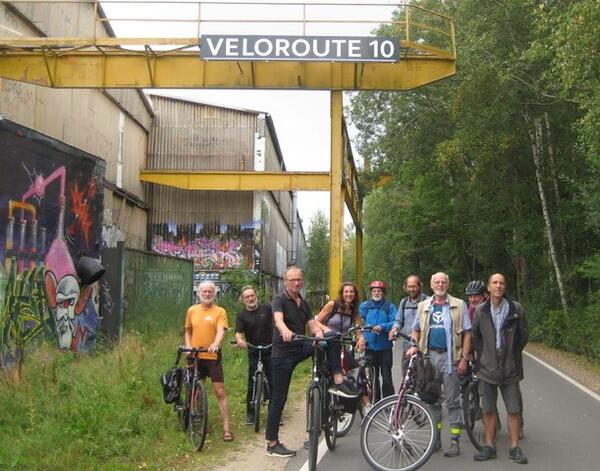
(105,411)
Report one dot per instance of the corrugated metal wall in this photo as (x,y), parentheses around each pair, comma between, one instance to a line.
(86,119)
(218,228)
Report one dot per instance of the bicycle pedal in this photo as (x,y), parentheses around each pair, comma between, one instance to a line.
(338,407)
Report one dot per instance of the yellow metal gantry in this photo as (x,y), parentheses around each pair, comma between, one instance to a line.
(100,60)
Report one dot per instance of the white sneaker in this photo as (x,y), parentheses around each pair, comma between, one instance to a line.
(366,408)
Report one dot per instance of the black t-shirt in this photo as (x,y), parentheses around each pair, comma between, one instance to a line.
(257,326)
(295,317)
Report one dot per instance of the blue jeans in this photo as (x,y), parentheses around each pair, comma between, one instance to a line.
(282,370)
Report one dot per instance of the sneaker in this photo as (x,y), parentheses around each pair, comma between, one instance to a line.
(249,419)
(453,449)
(279,450)
(515,454)
(486,453)
(366,408)
(437,446)
(343,390)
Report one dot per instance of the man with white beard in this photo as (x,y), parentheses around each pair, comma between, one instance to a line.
(205,326)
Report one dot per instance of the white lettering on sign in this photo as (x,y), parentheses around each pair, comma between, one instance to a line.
(300,48)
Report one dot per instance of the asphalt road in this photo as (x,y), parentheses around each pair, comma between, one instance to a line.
(562,432)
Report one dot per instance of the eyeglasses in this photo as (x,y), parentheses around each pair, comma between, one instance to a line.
(294,280)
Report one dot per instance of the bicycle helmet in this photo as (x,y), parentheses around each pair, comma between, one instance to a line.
(475,287)
(377,284)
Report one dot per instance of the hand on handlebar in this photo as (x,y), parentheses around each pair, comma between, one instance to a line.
(287,335)
(411,351)
(213,347)
(377,329)
(361,344)
(241,343)
(393,333)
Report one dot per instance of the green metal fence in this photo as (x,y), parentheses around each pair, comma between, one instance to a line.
(157,291)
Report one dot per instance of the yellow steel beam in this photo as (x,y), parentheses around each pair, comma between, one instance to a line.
(242,181)
(359,256)
(186,69)
(336,217)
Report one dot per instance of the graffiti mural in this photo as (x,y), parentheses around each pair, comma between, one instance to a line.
(51,204)
(210,246)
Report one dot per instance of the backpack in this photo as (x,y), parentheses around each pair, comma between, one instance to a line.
(170,382)
(427,387)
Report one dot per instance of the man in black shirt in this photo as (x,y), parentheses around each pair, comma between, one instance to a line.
(255,325)
(291,315)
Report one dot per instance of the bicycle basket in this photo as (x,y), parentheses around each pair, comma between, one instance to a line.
(170,381)
(351,379)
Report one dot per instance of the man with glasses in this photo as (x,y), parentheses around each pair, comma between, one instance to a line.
(442,329)
(291,315)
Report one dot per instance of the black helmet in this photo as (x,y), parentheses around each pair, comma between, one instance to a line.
(475,287)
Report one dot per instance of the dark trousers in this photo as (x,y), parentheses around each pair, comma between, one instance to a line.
(334,352)
(283,368)
(382,361)
(267,369)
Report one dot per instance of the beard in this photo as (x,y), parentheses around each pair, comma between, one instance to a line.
(208,300)
(252,307)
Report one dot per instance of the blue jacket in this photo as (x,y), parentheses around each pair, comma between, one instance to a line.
(381,313)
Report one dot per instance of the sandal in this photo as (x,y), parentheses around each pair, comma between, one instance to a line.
(227,436)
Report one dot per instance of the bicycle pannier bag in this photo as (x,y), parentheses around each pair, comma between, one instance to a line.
(427,387)
(170,381)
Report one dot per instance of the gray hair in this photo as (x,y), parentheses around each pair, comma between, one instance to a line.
(246,288)
(206,284)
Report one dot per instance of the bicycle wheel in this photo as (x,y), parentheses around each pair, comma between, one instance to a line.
(473,416)
(368,376)
(314,425)
(345,423)
(258,390)
(182,405)
(406,447)
(330,420)
(198,415)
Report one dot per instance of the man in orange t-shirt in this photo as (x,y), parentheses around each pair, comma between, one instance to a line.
(205,326)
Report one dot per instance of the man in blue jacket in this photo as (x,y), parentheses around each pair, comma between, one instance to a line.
(381,314)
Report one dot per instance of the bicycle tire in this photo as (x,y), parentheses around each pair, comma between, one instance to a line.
(198,415)
(314,425)
(368,375)
(330,420)
(182,405)
(258,390)
(407,448)
(473,415)
(345,423)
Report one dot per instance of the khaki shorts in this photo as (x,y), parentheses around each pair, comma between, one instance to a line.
(511,395)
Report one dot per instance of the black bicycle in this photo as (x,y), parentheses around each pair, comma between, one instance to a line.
(260,383)
(399,432)
(192,405)
(364,377)
(323,409)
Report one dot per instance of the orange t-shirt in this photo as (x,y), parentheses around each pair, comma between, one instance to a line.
(203,323)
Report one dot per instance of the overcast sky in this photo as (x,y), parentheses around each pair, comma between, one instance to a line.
(301,118)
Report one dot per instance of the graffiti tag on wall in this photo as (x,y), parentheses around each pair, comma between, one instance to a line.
(51,206)
(210,251)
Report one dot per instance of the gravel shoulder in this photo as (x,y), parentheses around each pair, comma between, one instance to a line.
(250,453)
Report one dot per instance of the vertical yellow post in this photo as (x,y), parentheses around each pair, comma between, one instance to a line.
(336,201)
(358,262)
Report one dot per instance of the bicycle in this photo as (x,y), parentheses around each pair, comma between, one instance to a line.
(192,404)
(399,432)
(323,409)
(260,383)
(364,378)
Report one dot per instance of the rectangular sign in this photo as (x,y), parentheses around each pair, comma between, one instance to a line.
(300,48)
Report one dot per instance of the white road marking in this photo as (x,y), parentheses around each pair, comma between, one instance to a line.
(565,377)
(320,454)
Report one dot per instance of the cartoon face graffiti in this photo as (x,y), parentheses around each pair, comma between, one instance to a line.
(67,301)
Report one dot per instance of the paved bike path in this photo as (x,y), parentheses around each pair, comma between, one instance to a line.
(561,432)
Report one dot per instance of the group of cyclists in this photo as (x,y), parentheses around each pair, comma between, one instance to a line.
(488,332)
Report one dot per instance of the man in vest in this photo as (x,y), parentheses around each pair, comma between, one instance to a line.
(442,329)
(407,309)
(379,313)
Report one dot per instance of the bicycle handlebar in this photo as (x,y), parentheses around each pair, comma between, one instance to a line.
(251,345)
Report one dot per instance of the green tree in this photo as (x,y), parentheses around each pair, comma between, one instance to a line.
(317,255)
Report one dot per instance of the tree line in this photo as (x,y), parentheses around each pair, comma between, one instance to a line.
(497,168)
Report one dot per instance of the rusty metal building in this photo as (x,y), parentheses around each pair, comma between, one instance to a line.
(220,230)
